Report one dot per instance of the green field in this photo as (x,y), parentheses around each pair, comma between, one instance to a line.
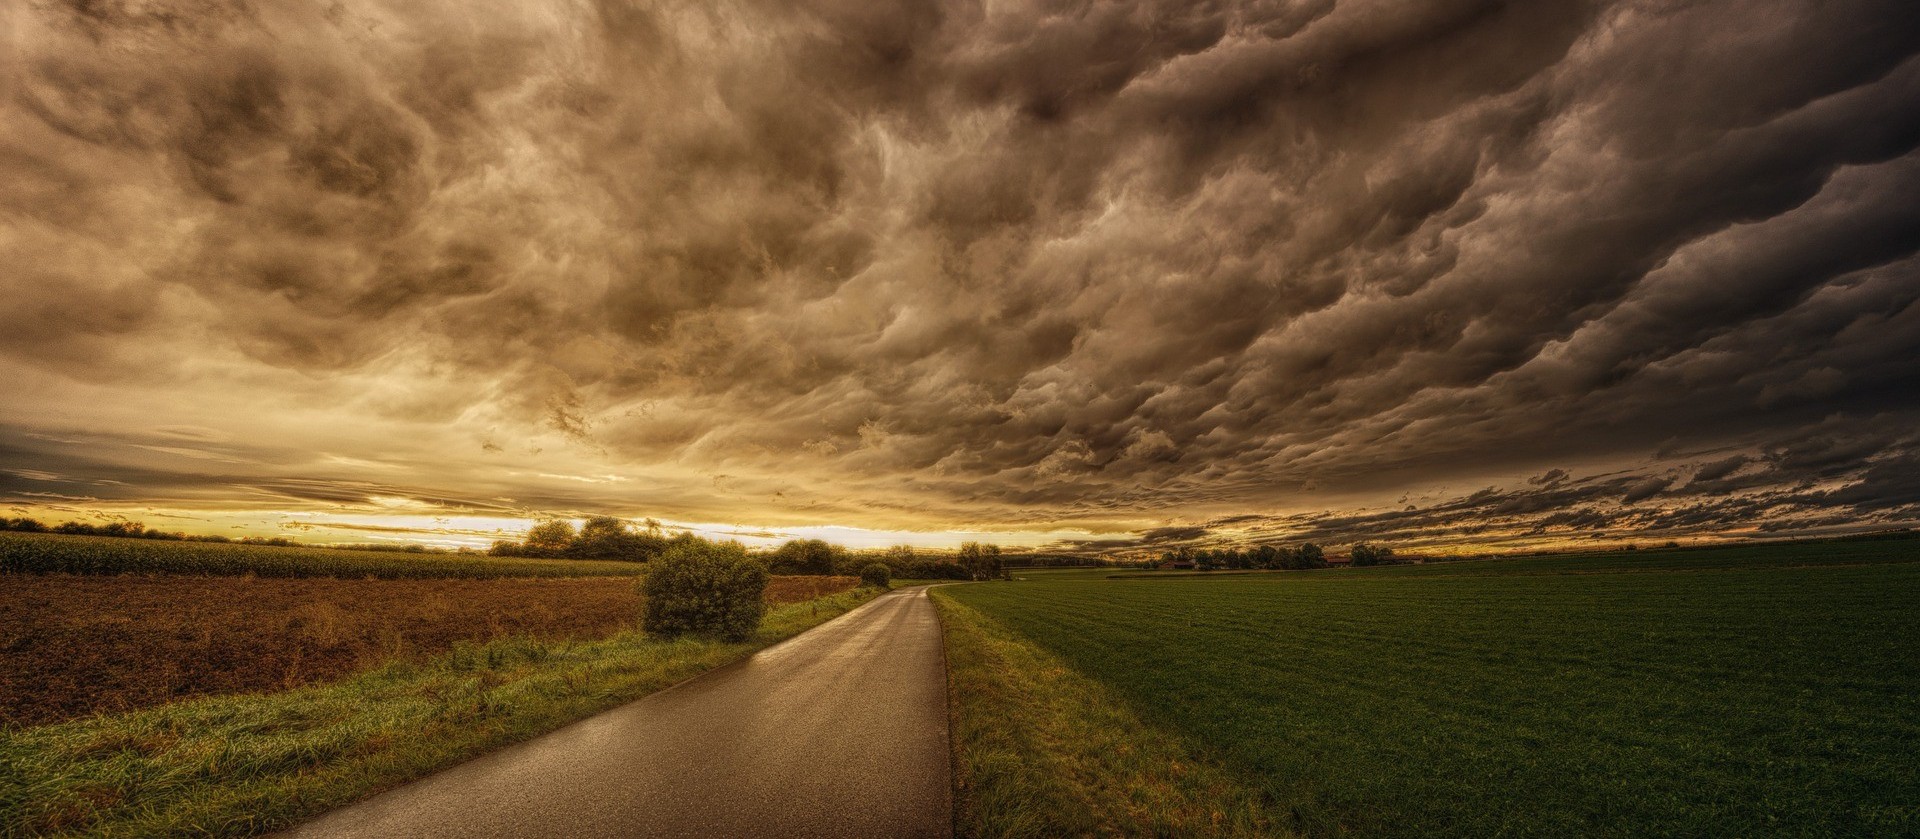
(45,553)
(1740,692)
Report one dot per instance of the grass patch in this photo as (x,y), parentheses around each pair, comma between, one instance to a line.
(244,765)
(48,553)
(1773,694)
(1041,751)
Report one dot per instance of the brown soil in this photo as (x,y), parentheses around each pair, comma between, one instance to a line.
(72,646)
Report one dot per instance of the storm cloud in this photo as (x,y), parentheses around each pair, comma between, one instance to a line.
(1153,271)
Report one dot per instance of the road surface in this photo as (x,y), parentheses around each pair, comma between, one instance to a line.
(838,732)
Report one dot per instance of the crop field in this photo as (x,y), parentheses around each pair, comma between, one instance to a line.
(1754,691)
(71,646)
(44,553)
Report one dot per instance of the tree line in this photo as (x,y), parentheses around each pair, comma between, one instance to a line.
(1301,557)
(133,530)
(610,538)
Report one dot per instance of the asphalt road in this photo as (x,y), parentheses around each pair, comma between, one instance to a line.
(838,732)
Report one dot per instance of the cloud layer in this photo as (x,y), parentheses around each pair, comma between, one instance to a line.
(1264,270)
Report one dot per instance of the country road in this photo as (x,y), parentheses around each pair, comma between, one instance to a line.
(839,732)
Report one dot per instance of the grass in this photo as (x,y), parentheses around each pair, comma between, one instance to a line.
(1757,691)
(43,553)
(250,764)
(1048,752)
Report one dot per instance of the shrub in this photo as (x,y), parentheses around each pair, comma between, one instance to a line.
(707,589)
(876,574)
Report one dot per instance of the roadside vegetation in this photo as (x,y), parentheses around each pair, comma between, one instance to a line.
(250,764)
(1042,751)
(1752,691)
(705,590)
(76,646)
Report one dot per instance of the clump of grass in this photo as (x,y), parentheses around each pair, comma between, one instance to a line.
(243,765)
(1041,751)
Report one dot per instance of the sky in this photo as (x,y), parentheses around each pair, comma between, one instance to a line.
(1455,275)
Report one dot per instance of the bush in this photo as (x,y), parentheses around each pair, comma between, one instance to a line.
(707,589)
(876,574)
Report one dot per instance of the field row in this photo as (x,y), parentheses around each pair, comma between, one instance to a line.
(42,553)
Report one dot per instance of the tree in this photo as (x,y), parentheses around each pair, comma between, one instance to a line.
(1265,556)
(876,574)
(606,537)
(549,538)
(803,556)
(600,537)
(704,588)
(1309,555)
(981,561)
(1365,555)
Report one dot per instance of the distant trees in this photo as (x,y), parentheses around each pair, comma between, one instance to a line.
(1366,555)
(132,530)
(1272,557)
(805,556)
(1010,561)
(549,538)
(606,537)
(982,562)
(600,537)
(903,562)
(1307,556)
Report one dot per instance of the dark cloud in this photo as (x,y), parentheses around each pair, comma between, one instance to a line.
(1120,266)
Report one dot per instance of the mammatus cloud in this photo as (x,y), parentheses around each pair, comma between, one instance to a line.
(1544,269)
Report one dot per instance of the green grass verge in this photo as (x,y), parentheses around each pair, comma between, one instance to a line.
(1041,751)
(45,553)
(244,765)
(1758,692)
